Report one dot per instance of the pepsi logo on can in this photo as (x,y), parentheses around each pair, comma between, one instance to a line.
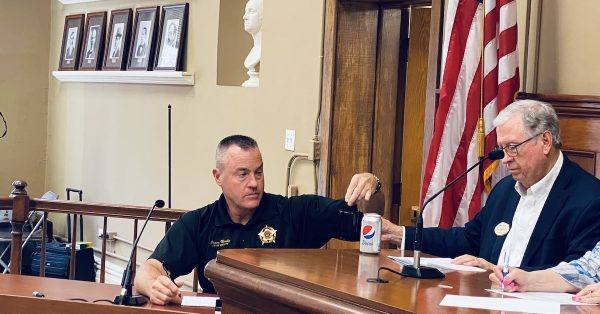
(370,234)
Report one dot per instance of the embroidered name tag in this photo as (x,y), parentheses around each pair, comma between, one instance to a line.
(220,243)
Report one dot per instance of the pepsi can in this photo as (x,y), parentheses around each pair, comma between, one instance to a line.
(370,234)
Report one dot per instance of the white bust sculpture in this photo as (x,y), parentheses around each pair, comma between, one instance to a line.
(253,25)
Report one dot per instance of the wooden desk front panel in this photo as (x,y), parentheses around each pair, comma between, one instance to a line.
(333,281)
(16,296)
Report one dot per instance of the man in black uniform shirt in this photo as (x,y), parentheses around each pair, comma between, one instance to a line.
(246,217)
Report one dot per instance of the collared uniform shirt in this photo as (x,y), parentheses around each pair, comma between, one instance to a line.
(526,216)
(306,221)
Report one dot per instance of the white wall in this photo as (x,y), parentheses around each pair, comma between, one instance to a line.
(111,139)
(569,47)
(24,47)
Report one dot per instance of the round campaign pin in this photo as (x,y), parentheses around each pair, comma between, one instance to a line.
(501,229)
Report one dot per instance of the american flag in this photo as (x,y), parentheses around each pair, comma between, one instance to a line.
(454,143)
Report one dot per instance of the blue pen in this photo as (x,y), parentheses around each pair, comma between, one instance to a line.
(505,266)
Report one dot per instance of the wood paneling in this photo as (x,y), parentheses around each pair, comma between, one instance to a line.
(354,93)
(414,113)
(580,133)
(587,160)
(389,91)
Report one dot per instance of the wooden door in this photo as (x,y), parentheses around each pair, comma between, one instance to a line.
(365,122)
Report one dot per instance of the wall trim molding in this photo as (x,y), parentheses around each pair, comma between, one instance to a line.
(133,77)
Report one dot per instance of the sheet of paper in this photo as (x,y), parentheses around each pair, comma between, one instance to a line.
(445,263)
(501,304)
(557,297)
(199,301)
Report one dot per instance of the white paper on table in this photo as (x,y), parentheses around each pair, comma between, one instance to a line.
(501,304)
(557,297)
(199,301)
(445,263)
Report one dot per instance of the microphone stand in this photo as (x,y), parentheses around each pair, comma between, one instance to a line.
(416,270)
(126,297)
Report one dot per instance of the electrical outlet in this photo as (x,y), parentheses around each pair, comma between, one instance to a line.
(314,150)
(110,236)
(290,140)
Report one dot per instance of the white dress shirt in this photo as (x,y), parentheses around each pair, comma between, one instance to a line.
(526,216)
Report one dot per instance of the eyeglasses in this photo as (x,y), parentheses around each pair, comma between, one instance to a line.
(512,150)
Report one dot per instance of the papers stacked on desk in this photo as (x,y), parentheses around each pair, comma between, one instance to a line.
(443,263)
(498,304)
(528,302)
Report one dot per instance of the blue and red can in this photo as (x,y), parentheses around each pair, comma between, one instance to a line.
(370,234)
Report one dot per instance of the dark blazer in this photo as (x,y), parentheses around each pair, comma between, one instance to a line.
(568,226)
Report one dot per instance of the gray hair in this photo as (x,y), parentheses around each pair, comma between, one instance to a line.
(242,141)
(537,117)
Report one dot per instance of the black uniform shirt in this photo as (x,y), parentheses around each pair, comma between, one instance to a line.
(306,221)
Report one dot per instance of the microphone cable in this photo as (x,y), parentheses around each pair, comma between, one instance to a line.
(379,279)
(5,125)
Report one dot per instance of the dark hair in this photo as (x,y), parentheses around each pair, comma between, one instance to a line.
(242,141)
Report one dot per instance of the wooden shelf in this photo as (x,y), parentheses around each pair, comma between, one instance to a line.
(77,1)
(133,77)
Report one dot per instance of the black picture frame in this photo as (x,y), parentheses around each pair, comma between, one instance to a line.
(71,43)
(117,40)
(141,50)
(172,39)
(93,44)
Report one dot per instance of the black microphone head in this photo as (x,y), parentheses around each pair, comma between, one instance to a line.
(496,154)
(159,204)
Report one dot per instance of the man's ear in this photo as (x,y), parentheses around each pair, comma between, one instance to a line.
(216,172)
(547,139)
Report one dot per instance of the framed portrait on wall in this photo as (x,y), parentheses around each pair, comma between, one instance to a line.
(93,44)
(71,42)
(171,42)
(117,40)
(141,52)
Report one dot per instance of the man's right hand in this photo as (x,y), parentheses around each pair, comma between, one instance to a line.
(152,281)
(164,291)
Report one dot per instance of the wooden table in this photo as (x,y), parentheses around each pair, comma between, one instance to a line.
(334,281)
(16,296)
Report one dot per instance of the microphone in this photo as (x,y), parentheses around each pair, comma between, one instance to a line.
(416,270)
(126,297)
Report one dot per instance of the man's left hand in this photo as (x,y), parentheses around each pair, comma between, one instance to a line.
(470,260)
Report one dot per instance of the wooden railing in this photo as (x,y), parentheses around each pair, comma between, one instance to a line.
(22,204)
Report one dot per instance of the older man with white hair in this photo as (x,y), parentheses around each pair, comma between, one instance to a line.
(545,212)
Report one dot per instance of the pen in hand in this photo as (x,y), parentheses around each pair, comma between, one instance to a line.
(171,277)
(505,267)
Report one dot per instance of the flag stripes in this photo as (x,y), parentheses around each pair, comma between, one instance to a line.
(454,142)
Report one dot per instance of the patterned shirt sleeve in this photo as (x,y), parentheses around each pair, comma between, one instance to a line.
(583,271)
